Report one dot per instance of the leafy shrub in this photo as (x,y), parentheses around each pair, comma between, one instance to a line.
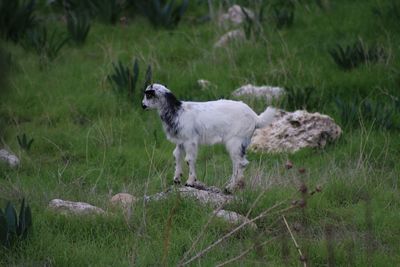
(47,46)
(13,228)
(163,13)
(24,143)
(352,56)
(78,24)
(16,17)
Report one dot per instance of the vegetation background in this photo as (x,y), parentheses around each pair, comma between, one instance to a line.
(69,82)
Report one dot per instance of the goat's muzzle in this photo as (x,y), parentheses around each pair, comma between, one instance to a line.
(144,106)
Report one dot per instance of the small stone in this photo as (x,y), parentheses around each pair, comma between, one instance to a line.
(123,199)
(269,93)
(70,207)
(302,170)
(234,218)
(9,158)
(288,165)
(204,84)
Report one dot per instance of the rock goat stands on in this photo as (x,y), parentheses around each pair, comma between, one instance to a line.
(292,131)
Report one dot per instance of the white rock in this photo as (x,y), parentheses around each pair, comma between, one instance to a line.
(268,92)
(123,199)
(70,207)
(235,16)
(295,130)
(231,36)
(234,218)
(10,159)
(204,84)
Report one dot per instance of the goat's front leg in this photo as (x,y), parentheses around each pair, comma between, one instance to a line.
(190,158)
(178,155)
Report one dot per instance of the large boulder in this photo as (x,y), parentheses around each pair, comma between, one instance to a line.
(292,131)
(266,92)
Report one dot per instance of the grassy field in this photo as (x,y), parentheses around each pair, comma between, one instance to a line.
(90,143)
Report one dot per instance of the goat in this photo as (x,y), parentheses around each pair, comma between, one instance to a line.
(188,124)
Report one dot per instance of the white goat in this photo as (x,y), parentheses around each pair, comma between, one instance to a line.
(188,124)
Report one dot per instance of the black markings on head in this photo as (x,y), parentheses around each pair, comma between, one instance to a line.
(150,93)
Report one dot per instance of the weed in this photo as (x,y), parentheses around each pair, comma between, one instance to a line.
(13,228)
(24,142)
(16,17)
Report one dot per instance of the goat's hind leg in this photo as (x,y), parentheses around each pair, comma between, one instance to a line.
(178,155)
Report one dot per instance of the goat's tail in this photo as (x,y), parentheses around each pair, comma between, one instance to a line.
(267,117)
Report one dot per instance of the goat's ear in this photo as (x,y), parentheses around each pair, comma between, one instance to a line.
(172,100)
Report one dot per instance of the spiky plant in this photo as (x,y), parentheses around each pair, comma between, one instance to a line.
(124,80)
(24,142)
(14,228)
(78,24)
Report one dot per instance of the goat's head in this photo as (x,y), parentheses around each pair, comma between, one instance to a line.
(157,96)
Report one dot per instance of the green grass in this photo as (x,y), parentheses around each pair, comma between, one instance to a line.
(90,144)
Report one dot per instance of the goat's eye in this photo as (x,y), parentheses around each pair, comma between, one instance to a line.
(150,94)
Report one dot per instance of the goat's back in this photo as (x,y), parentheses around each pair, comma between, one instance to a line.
(217,121)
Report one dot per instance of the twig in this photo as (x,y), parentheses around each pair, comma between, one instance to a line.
(244,253)
(204,251)
(294,241)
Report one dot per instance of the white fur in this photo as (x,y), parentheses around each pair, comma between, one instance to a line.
(223,121)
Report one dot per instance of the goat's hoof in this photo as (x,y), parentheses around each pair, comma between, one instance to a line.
(177,182)
(227,191)
(189,185)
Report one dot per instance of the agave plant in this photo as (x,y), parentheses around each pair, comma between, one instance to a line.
(24,143)
(78,24)
(13,227)
(16,17)
(163,13)
(124,80)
